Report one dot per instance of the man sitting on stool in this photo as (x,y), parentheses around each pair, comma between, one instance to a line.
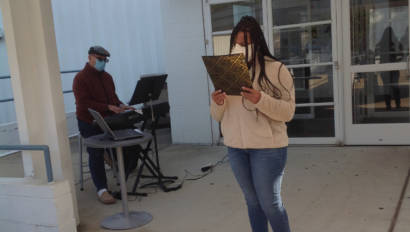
(94,88)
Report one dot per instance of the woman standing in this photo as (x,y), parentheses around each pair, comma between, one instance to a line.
(254,127)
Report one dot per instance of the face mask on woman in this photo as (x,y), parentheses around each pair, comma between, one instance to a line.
(238,49)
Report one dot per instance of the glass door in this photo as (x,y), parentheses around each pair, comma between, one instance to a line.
(300,33)
(220,16)
(304,38)
(377,71)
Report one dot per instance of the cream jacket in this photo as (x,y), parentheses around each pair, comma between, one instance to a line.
(262,128)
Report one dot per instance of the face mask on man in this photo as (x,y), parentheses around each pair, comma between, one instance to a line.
(238,49)
(100,65)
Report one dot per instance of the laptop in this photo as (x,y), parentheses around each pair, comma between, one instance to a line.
(116,135)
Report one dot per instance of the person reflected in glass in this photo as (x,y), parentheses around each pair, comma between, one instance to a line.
(388,50)
(254,127)
(404,43)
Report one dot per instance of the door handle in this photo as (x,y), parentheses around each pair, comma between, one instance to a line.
(336,64)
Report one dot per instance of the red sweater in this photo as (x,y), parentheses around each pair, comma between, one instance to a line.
(94,89)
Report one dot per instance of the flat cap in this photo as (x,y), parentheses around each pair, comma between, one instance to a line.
(98,50)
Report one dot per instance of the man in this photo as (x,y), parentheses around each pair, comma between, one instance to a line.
(94,88)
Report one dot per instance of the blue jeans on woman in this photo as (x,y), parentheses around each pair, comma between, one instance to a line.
(259,173)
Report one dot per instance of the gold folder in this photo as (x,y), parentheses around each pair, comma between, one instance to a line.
(228,73)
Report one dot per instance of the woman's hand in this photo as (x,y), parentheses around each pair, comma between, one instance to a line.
(252,95)
(218,97)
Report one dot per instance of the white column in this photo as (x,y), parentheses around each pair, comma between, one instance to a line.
(36,82)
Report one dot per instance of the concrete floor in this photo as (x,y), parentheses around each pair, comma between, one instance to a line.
(328,189)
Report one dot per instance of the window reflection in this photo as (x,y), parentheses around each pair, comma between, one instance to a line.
(381,97)
(378,34)
(225,16)
(313,84)
(304,45)
(287,12)
(312,121)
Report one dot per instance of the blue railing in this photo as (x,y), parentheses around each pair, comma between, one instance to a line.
(11,99)
(43,148)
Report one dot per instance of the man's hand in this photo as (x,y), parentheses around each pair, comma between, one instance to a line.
(126,107)
(252,95)
(115,109)
(218,97)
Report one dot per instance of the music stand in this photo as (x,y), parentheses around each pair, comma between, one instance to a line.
(148,89)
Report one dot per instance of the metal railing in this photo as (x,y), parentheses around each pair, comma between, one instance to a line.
(12,99)
(43,148)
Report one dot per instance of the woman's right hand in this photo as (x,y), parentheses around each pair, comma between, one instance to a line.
(218,97)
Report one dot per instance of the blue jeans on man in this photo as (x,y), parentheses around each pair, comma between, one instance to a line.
(95,156)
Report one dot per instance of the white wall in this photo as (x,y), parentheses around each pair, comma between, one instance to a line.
(138,35)
(187,81)
(130,29)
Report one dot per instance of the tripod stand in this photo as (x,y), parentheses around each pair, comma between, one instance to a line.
(149,89)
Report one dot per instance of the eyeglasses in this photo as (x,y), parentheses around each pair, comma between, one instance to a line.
(105,59)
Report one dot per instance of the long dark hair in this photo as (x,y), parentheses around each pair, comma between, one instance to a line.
(260,50)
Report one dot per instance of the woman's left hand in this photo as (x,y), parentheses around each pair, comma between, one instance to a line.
(252,95)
